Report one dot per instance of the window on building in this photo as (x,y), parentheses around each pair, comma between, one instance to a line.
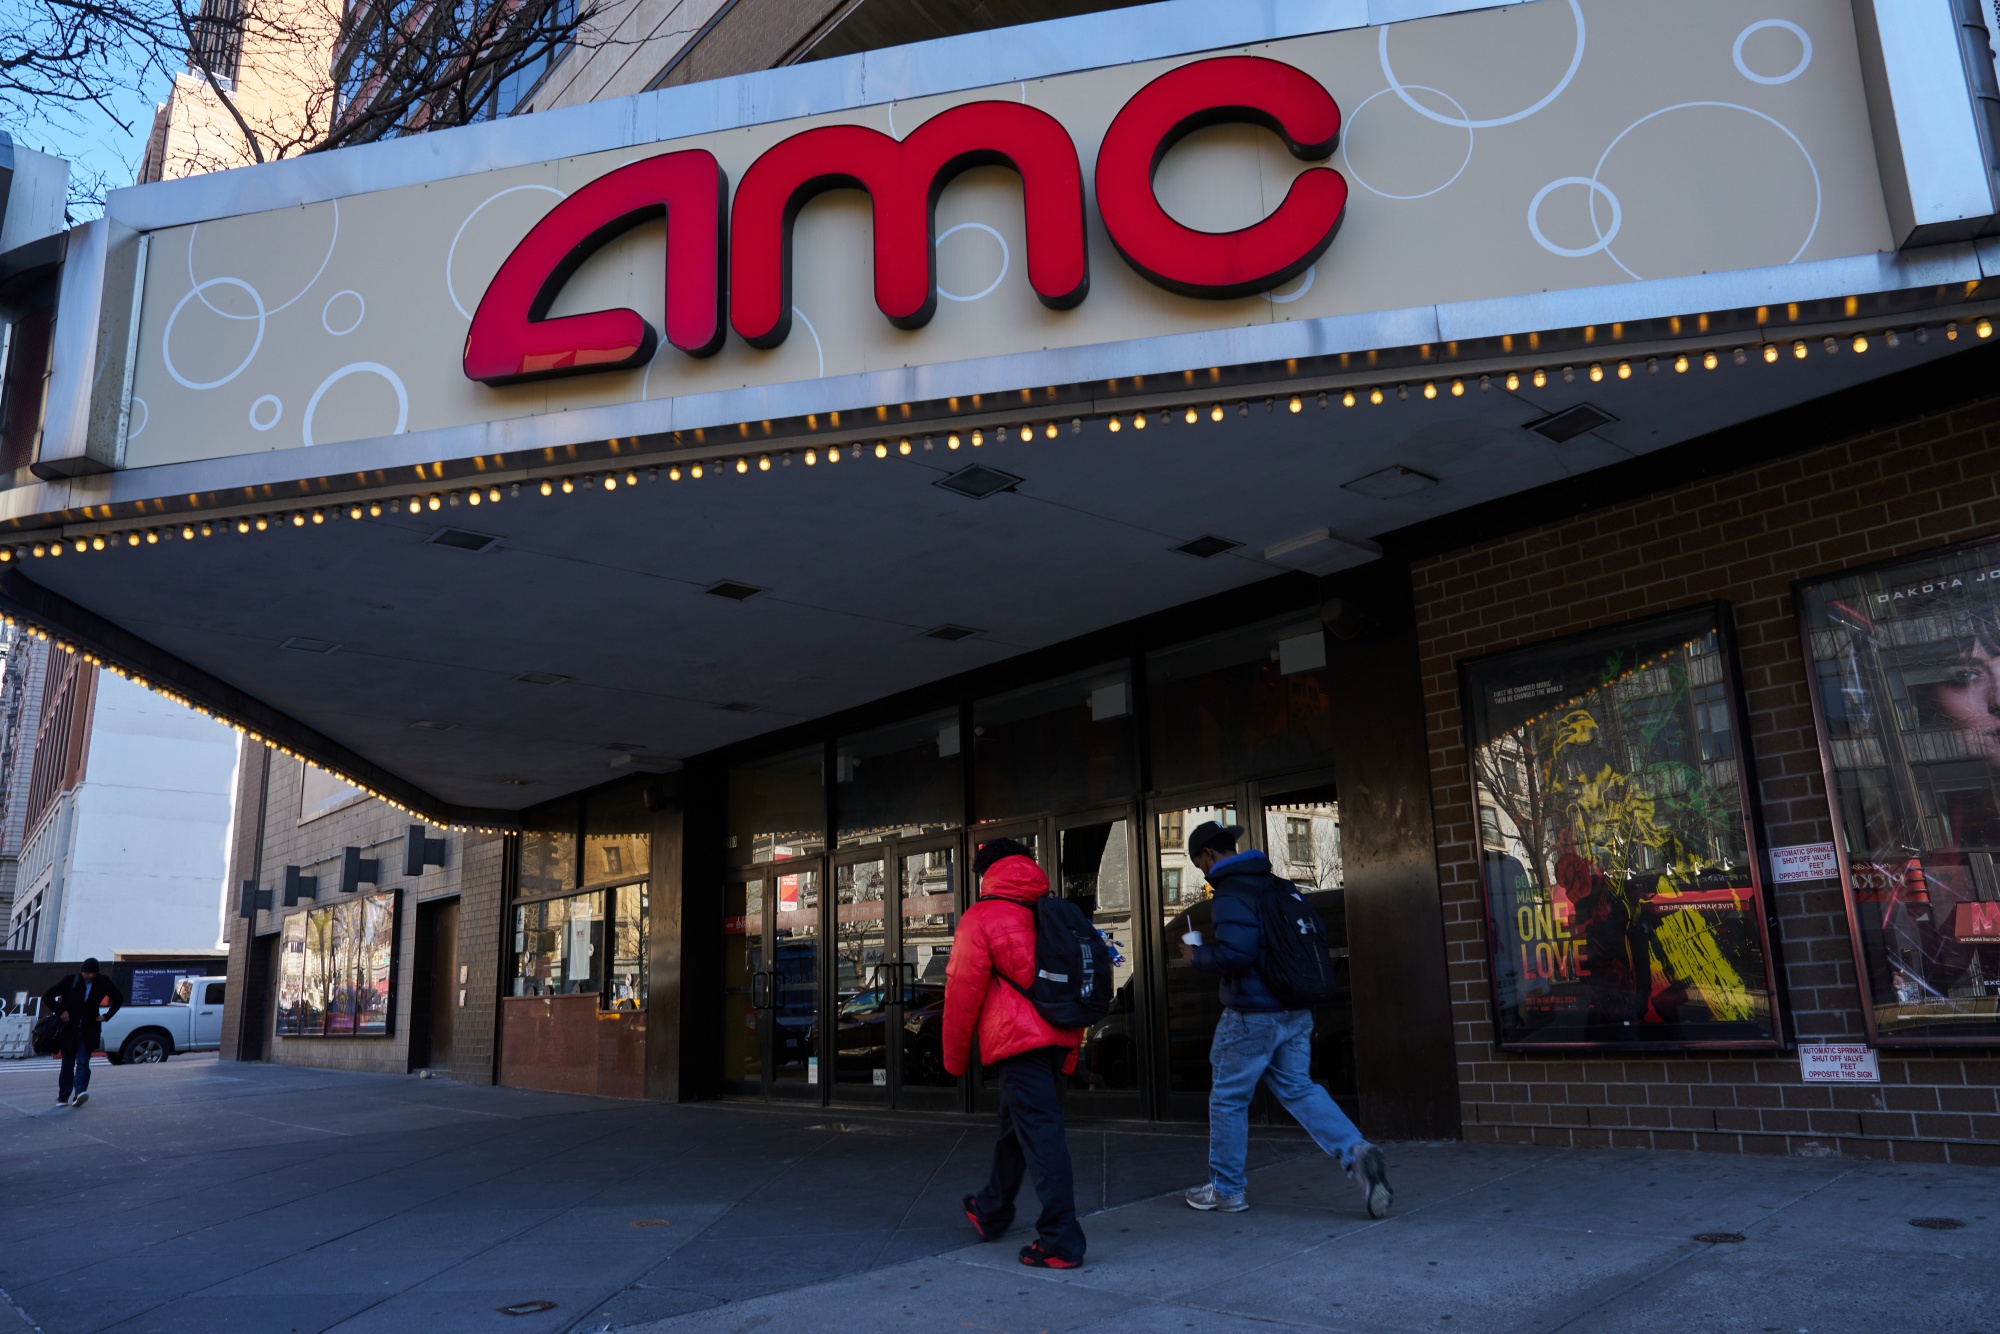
(777,808)
(904,780)
(1062,745)
(559,947)
(1243,703)
(1298,839)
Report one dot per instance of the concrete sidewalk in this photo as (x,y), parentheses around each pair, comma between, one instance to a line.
(262,1198)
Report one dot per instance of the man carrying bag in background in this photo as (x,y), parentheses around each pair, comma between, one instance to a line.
(1270,950)
(74,1001)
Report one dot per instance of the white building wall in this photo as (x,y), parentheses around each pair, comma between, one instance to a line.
(148,844)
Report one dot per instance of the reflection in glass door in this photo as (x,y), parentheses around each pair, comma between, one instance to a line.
(744,987)
(926,922)
(1302,837)
(1094,871)
(863,978)
(792,993)
(1193,998)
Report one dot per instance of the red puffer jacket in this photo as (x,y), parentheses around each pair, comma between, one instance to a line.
(998,938)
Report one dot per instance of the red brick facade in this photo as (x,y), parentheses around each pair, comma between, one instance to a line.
(1744,537)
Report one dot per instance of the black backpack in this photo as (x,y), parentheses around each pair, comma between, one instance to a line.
(1072,986)
(1296,960)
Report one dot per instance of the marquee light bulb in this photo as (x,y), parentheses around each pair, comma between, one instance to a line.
(435,502)
(1624,370)
(1951,331)
(1892,338)
(1347,399)
(208,529)
(763,463)
(1215,413)
(1295,406)
(298,521)
(903,445)
(1191,416)
(1861,342)
(631,479)
(1049,431)
(242,526)
(1458,389)
(1375,395)
(1740,357)
(1112,426)
(1770,352)
(695,471)
(1513,381)
(1569,375)
(353,512)
(610,482)
(1709,361)
(881,451)
(97,543)
(951,441)
(493,493)
(1984,328)
(1680,364)
(1596,372)
(1541,377)
(319,516)
(263,524)
(674,474)
(374,509)
(1402,393)
(1430,389)
(568,486)
(978,439)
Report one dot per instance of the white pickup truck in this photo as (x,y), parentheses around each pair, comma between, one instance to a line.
(191,1021)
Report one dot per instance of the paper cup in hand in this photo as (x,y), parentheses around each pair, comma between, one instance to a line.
(1192,939)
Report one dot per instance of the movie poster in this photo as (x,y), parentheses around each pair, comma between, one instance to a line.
(376,960)
(292,977)
(1623,895)
(1904,663)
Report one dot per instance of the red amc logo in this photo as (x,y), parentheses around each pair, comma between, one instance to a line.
(513,339)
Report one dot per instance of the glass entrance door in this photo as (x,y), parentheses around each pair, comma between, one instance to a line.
(1193,1003)
(1096,865)
(895,914)
(771,981)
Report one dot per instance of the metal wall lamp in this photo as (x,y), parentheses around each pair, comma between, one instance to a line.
(299,886)
(357,870)
(420,851)
(252,900)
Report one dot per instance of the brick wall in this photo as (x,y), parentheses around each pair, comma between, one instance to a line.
(1743,537)
(472,872)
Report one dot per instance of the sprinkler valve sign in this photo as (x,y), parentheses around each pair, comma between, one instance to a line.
(1838,1063)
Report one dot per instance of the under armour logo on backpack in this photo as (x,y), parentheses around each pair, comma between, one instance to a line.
(1304,930)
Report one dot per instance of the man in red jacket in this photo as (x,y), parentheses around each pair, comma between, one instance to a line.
(996,943)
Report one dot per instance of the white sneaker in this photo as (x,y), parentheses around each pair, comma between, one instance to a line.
(1374,1179)
(1207,1198)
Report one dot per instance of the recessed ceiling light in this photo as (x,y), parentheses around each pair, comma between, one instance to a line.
(300,644)
(1206,546)
(979,482)
(1571,422)
(458,539)
(542,679)
(433,725)
(735,592)
(1390,482)
(518,782)
(950,634)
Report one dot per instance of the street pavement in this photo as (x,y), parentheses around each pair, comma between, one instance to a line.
(219,1197)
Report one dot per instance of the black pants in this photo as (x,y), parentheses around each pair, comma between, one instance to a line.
(1032,1140)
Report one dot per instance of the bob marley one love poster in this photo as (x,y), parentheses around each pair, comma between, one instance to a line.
(1624,901)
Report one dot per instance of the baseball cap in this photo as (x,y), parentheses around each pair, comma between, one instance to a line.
(1208,833)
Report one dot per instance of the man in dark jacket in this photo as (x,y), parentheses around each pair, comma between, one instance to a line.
(75,1001)
(1259,1037)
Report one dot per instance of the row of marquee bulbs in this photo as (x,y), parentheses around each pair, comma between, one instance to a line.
(104,664)
(1595,372)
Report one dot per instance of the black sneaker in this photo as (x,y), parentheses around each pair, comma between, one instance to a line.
(79,1100)
(1037,1256)
(987,1231)
(63,1101)
(1374,1180)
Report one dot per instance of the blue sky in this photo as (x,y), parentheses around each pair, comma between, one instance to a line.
(93,142)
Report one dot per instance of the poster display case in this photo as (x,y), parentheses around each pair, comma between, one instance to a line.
(1904,664)
(1624,897)
(336,970)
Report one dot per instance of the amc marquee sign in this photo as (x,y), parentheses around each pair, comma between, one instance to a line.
(512,337)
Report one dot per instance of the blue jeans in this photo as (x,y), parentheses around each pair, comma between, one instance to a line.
(75,1074)
(1277,1048)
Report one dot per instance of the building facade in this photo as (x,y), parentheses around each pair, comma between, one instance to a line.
(1527,464)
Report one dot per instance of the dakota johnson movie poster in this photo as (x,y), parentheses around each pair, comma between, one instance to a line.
(1623,898)
(1905,669)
